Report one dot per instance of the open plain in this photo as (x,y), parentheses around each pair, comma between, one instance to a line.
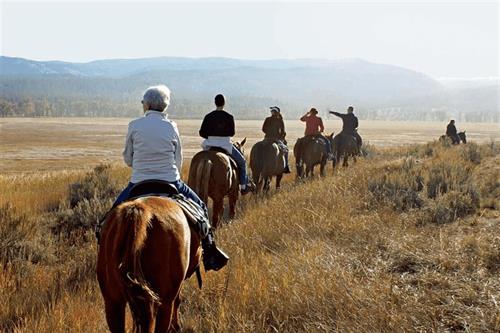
(404,240)
(48,144)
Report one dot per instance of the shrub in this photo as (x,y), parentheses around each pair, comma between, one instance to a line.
(400,190)
(97,184)
(471,152)
(444,177)
(451,206)
(367,150)
(89,200)
(21,239)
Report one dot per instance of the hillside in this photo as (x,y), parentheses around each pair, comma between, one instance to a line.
(113,87)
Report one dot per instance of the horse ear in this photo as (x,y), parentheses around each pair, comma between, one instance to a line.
(331,135)
(242,143)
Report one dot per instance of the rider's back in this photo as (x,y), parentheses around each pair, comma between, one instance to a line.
(153,148)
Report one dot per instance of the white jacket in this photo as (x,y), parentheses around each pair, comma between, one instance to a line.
(153,148)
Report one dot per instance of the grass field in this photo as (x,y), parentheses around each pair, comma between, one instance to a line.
(405,240)
(47,144)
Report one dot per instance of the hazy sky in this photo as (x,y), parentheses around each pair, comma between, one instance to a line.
(445,39)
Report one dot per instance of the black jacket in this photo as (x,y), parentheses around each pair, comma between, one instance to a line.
(217,123)
(349,121)
(451,130)
(274,128)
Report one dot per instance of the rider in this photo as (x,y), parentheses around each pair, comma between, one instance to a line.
(315,128)
(153,150)
(274,129)
(451,131)
(217,129)
(349,124)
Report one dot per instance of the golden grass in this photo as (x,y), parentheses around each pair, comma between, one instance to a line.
(48,144)
(320,256)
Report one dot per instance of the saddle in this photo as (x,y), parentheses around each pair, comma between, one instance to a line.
(159,188)
(318,138)
(283,149)
(223,151)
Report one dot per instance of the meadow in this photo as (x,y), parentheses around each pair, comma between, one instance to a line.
(405,240)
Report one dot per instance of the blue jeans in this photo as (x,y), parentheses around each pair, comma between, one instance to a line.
(242,165)
(181,187)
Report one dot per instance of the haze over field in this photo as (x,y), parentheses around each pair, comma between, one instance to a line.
(398,61)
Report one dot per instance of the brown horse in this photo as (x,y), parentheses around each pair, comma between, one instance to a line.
(266,161)
(147,249)
(213,175)
(311,151)
(343,146)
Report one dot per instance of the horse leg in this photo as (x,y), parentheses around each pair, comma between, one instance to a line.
(217,210)
(233,198)
(175,316)
(345,164)
(115,316)
(322,168)
(309,171)
(278,181)
(258,182)
(164,318)
(267,182)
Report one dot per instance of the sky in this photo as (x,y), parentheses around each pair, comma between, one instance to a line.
(456,39)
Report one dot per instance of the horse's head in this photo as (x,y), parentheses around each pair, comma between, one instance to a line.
(239,145)
(462,136)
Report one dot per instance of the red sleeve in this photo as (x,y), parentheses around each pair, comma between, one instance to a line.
(321,127)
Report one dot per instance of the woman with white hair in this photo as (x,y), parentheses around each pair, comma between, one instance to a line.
(153,150)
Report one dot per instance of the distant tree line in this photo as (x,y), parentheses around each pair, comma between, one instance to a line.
(242,107)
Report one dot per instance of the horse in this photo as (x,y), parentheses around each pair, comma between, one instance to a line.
(310,151)
(448,140)
(212,174)
(266,161)
(343,146)
(147,249)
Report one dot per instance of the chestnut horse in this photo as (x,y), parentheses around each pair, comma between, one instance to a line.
(147,249)
(213,175)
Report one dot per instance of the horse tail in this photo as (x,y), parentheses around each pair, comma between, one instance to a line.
(134,220)
(199,176)
(256,162)
(203,172)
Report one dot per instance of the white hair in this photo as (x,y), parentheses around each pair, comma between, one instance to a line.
(157,97)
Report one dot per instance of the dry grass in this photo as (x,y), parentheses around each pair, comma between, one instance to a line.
(48,144)
(404,240)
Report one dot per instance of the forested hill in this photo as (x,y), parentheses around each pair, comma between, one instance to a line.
(114,88)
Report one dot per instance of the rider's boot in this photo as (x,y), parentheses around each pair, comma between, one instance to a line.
(287,167)
(213,257)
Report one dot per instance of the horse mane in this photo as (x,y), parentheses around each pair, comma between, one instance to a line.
(133,220)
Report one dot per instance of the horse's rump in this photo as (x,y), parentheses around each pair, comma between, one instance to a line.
(147,249)
(345,143)
(266,159)
(210,167)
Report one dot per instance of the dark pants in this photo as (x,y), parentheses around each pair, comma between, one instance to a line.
(238,157)
(181,187)
(281,146)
